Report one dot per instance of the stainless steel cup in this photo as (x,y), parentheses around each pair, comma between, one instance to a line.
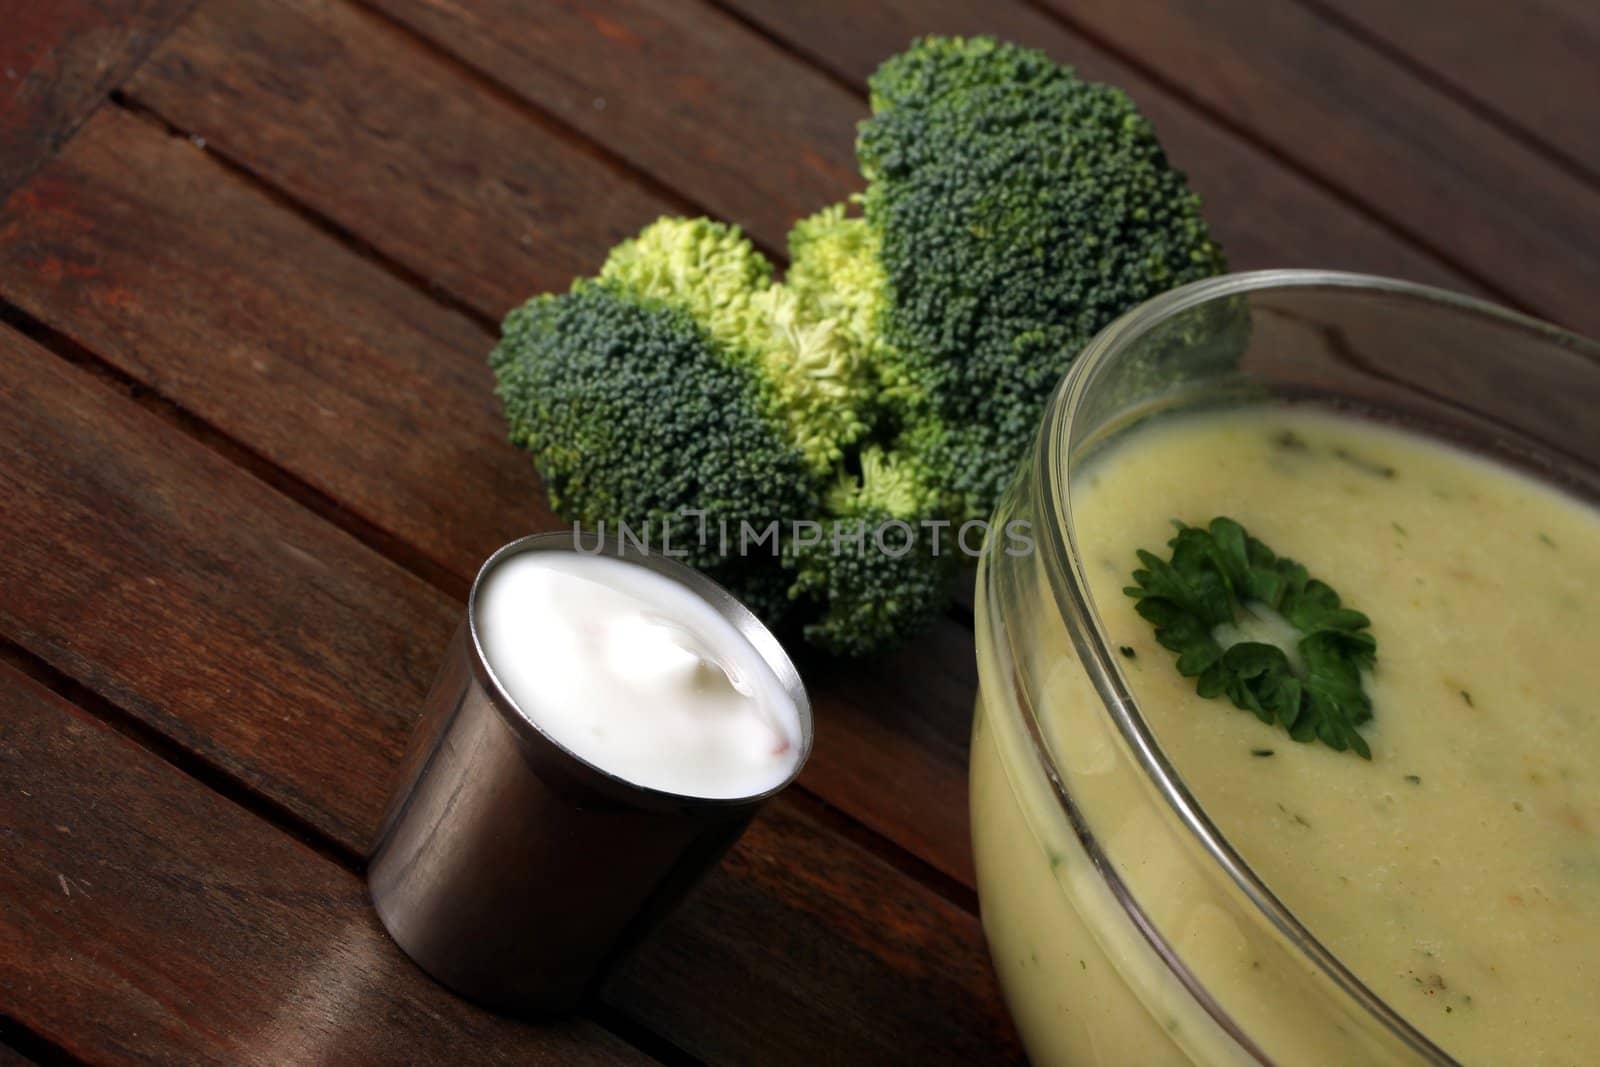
(514,871)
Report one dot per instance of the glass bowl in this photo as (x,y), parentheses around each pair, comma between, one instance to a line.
(1105,887)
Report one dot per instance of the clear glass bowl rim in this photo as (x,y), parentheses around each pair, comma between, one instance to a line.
(1069,588)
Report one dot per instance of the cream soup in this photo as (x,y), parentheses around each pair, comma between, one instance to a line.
(1456,873)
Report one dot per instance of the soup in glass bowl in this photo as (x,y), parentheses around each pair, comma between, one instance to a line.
(1250,823)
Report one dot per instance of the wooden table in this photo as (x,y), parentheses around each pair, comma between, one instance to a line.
(252,255)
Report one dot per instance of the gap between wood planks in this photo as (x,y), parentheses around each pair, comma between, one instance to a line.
(340,233)
(817,63)
(190,763)
(1216,118)
(547,120)
(236,452)
(1447,87)
(130,38)
(1279,156)
(32,1048)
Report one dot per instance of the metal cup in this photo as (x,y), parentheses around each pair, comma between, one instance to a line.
(516,872)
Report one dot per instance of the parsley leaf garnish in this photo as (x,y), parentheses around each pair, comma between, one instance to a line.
(1214,573)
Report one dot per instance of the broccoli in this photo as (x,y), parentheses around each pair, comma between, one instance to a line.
(575,372)
(685,394)
(891,382)
(1014,210)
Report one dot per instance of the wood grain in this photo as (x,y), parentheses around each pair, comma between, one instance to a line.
(224,616)
(1407,152)
(356,119)
(681,92)
(150,255)
(268,81)
(267,643)
(1526,61)
(158,261)
(1263,214)
(57,61)
(746,955)
(893,743)
(148,919)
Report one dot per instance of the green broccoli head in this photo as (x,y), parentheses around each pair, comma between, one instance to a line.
(683,393)
(875,568)
(873,580)
(885,390)
(1018,210)
(635,415)
(836,274)
(810,363)
(875,574)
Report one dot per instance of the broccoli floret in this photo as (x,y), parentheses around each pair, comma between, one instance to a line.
(874,568)
(835,273)
(1017,210)
(685,394)
(886,389)
(875,572)
(713,272)
(634,414)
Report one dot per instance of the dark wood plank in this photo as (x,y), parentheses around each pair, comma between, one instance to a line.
(357,119)
(684,94)
(240,73)
(269,644)
(1263,214)
(151,256)
(1532,62)
(381,399)
(893,748)
(58,60)
(10,1057)
(148,919)
(745,953)
(234,622)
(1408,152)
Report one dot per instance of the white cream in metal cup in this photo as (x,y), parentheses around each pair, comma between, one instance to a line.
(516,871)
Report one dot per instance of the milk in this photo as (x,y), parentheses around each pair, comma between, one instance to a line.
(636,674)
